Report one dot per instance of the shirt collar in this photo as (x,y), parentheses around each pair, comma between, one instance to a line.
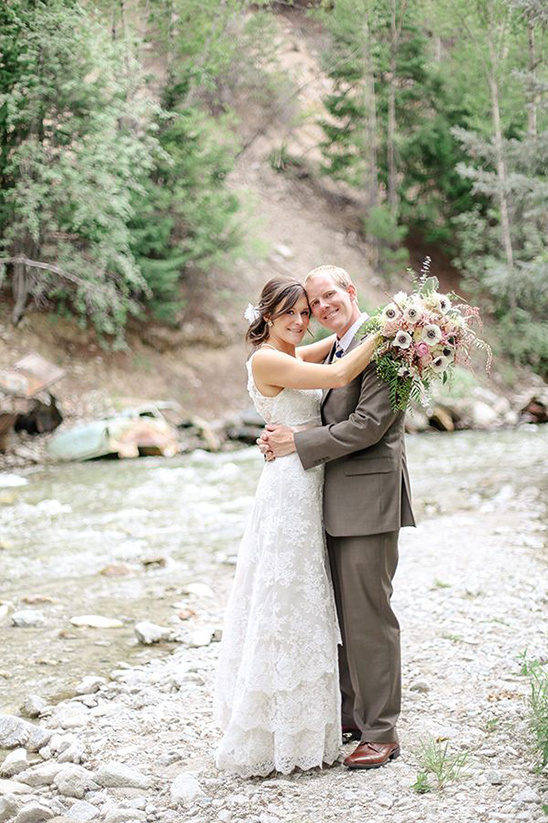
(347,338)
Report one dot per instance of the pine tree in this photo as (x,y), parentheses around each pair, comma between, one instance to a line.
(390,122)
(185,217)
(505,250)
(75,147)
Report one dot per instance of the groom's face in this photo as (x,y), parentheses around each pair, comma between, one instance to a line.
(332,306)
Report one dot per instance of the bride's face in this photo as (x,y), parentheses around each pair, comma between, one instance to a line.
(291,326)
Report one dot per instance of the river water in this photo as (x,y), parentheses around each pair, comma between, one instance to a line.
(122,539)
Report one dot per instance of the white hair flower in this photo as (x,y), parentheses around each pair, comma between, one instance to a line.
(252,313)
(402,340)
(431,334)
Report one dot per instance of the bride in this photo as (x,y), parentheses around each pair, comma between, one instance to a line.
(277,694)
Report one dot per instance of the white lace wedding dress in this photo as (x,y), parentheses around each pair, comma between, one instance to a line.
(277,694)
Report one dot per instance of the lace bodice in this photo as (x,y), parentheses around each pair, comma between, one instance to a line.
(291,407)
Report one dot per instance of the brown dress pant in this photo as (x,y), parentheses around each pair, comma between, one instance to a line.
(369,660)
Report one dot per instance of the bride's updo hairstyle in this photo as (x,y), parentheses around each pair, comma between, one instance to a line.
(278,296)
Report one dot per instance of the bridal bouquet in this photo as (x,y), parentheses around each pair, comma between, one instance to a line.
(422,336)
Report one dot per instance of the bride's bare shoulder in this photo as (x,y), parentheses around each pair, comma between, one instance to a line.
(263,358)
(266,353)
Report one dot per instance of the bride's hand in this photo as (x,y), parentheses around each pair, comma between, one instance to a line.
(265,449)
(278,440)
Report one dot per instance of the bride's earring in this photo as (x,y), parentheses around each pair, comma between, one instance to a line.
(269,322)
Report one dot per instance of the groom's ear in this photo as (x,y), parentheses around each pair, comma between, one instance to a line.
(352,291)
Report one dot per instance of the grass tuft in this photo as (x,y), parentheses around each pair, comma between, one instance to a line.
(439,766)
(538,704)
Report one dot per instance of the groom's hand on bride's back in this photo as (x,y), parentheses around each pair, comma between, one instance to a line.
(276,441)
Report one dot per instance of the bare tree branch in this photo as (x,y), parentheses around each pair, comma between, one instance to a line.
(37,264)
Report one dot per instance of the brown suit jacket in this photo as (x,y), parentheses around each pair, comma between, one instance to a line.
(367,489)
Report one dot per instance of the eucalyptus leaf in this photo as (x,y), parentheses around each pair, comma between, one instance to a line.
(430,285)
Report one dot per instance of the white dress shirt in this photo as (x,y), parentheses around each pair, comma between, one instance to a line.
(348,336)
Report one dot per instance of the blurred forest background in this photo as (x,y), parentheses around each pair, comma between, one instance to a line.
(142,140)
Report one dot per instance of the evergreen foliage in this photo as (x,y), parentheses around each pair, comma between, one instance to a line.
(389,235)
(214,50)
(71,123)
(106,200)
(516,283)
(185,216)
(429,189)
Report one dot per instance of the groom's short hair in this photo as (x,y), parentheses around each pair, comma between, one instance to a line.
(339,276)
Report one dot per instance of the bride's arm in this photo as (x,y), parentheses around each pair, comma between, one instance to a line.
(316,352)
(274,369)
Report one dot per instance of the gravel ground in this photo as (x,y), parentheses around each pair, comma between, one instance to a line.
(471,595)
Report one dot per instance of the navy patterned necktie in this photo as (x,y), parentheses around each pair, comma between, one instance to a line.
(339,351)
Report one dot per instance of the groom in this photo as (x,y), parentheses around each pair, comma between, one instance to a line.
(366,500)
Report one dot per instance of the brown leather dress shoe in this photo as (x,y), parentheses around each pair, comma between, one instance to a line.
(372,755)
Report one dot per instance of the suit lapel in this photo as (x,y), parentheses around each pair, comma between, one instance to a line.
(328,360)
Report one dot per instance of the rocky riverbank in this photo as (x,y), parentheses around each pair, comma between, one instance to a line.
(471,597)
(472,407)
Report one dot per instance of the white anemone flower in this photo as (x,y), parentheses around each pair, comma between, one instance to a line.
(439,364)
(431,334)
(400,298)
(448,353)
(412,313)
(390,312)
(402,340)
(445,303)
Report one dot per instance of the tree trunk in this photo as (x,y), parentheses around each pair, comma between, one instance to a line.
(370,103)
(535,95)
(372,167)
(219,25)
(391,128)
(24,245)
(438,49)
(170,36)
(21,277)
(500,164)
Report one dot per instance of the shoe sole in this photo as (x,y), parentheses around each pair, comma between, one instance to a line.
(395,753)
